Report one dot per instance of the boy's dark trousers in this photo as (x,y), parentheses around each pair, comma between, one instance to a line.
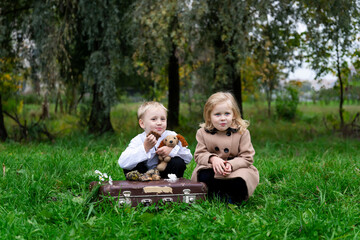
(176,166)
(232,190)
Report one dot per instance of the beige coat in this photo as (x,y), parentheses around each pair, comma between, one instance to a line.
(234,147)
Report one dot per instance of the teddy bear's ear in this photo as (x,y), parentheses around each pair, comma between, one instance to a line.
(182,140)
(162,144)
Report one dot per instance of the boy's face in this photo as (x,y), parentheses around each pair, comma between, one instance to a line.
(154,119)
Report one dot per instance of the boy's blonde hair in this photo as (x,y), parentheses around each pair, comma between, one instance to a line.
(148,105)
(221,97)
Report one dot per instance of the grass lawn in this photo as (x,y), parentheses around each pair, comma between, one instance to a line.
(309,187)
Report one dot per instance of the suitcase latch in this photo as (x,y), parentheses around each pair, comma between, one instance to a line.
(146,201)
(167,199)
(125,199)
(188,198)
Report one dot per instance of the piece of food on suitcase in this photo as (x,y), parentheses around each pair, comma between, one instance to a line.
(134,193)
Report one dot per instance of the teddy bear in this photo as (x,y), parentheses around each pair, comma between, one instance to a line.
(170,141)
(156,135)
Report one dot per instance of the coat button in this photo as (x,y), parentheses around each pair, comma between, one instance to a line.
(226,150)
(217,149)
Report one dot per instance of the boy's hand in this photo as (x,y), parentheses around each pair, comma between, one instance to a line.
(164,151)
(149,142)
(218,164)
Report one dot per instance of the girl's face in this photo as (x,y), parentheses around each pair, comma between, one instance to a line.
(154,120)
(222,116)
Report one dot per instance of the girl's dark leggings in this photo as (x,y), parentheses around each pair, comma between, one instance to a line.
(234,189)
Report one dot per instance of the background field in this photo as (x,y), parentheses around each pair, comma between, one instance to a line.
(309,184)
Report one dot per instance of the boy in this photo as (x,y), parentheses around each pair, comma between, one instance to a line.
(142,152)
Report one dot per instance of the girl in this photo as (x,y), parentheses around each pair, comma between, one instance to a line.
(224,153)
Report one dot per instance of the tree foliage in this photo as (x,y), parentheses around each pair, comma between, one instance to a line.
(173,49)
(12,15)
(276,48)
(331,31)
(159,29)
(226,30)
(237,33)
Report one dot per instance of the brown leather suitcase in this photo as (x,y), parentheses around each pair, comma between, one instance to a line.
(134,193)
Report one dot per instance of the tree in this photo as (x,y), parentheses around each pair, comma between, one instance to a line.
(74,44)
(81,45)
(237,31)
(75,55)
(103,28)
(269,74)
(331,31)
(161,40)
(276,50)
(226,26)
(12,14)
(10,83)
(3,132)
(60,50)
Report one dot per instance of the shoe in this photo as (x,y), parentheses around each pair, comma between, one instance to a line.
(230,201)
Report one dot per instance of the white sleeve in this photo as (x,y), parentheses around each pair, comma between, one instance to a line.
(134,154)
(182,152)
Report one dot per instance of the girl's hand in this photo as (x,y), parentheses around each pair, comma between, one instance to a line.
(164,151)
(218,165)
(228,168)
(149,142)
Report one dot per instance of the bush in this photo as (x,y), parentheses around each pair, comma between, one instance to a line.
(84,114)
(32,99)
(287,102)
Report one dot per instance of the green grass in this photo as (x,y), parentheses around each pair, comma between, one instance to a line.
(309,187)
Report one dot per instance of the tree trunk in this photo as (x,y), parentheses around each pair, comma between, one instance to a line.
(269,97)
(99,121)
(174,89)
(235,77)
(218,50)
(3,133)
(269,104)
(237,89)
(61,104)
(57,102)
(45,109)
(73,103)
(341,110)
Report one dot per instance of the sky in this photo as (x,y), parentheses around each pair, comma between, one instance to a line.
(306,74)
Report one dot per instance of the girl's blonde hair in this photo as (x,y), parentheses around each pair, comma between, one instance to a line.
(148,105)
(221,97)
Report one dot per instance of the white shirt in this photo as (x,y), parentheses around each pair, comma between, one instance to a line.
(135,152)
